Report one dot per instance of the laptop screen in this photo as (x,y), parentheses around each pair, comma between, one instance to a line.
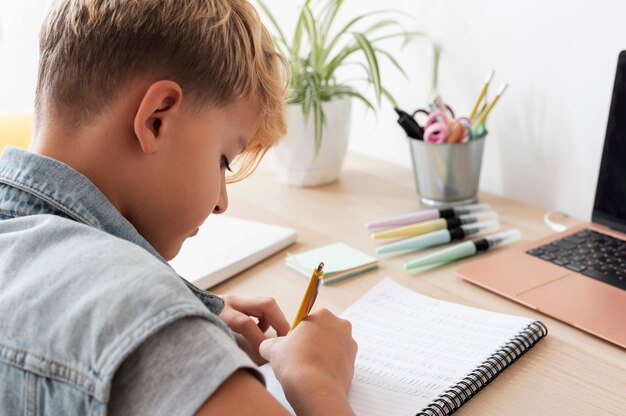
(609,208)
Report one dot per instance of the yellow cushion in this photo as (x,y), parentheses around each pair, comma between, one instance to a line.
(16,129)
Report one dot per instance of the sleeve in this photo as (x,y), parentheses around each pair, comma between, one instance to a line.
(175,370)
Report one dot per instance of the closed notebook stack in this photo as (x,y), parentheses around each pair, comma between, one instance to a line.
(340,262)
(225,246)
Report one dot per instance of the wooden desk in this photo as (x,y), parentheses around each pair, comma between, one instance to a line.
(568,373)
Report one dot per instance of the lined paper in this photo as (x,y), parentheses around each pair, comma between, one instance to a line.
(412,348)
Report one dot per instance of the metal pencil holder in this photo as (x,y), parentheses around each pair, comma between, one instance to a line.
(447,174)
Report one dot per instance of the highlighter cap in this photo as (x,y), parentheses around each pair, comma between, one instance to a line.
(446,255)
(504,237)
(479,217)
(468,209)
(480,227)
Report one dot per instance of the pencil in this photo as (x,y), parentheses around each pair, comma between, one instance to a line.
(457,133)
(483,115)
(482,94)
(309,296)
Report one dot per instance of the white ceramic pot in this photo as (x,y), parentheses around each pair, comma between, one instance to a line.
(293,157)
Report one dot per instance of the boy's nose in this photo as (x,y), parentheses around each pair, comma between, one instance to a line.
(222,202)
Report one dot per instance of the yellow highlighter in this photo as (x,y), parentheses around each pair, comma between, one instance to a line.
(434,225)
(412,230)
(309,296)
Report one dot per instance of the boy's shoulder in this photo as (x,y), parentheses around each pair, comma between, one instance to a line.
(59,241)
(80,300)
(51,247)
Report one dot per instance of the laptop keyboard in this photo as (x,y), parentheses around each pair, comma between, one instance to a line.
(591,253)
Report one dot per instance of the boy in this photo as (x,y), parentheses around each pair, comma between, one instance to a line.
(141,105)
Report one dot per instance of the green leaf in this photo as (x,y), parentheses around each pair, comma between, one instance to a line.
(372,61)
(405,35)
(297,35)
(311,29)
(309,97)
(336,62)
(319,121)
(317,51)
(351,92)
(329,18)
(393,61)
(381,25)
(389,97)
(328,49)
(345,52)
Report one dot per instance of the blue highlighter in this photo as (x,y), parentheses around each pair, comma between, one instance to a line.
(439,237)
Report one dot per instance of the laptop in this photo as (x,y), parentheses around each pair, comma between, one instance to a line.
(577,276)
(225,246)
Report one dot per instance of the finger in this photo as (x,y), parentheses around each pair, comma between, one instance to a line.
(247,327)
(263,324)
(265,349)
(245,346)
(264,309)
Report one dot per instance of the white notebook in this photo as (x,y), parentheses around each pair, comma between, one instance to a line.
(225,246)
(419,355)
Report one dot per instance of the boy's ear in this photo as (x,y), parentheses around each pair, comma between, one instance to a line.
(154,115)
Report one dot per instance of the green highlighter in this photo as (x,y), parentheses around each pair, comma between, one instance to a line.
(466,249)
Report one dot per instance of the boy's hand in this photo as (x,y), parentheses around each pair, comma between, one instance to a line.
(239,312)
(315,363)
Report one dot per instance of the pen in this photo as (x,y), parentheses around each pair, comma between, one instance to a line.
(483,114)
(437,238)
(410,126)
(309,296)
(466,249)
(429,214)
(434,225)
(483,91)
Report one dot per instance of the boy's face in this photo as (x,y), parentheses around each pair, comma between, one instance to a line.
(192,181)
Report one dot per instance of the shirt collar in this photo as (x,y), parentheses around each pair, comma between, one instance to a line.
(69,191)
(73,194)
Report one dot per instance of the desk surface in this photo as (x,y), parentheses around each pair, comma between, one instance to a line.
(568,373)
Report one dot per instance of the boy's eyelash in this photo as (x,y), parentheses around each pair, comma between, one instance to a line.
(225,164)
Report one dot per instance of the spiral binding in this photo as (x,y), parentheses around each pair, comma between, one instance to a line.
(456,396)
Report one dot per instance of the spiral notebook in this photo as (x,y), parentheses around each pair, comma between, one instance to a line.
(419,355)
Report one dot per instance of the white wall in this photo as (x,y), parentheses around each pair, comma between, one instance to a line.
(19,47)
(558,57)
(546,133)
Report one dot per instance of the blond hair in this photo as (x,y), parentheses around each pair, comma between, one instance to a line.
(217,50)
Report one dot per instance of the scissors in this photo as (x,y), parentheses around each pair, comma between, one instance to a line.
(446,110)
(439,128)
(439,105)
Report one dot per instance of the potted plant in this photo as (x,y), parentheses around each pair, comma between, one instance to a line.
(319,107)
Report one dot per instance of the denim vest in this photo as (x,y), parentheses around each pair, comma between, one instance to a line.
(80,289)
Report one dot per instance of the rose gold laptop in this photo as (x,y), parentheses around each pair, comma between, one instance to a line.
(578,276)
